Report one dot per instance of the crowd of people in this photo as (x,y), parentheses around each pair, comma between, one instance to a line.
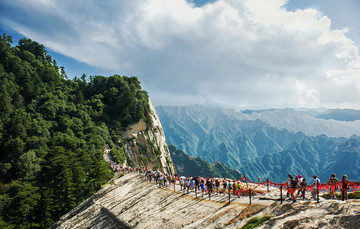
(296,187)
(299,184)
(194,183)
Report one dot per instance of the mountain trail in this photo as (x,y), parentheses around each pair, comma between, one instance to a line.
(132,202)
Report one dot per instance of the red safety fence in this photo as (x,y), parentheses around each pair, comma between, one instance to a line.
(324,187)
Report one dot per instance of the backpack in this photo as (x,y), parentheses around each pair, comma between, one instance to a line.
(333,180)
(239,187)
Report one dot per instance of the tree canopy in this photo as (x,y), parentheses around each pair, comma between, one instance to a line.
(53,131)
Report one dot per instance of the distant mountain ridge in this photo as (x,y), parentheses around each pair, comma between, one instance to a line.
(255,144)
(341,115)
(195,166)
(342,123)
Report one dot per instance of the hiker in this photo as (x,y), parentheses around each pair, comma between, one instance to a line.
(303,188)
(299,179)
(170,179)
(292,189)
(234,187)
(238,189)
(187,184)
(202,187)
(161,180)
(181,184)
(288,184)
(207,183)
(164,181)
(229,186)
(315,185)
(210,186)
(332,182)
(217,185)
(224,185)
(196,182)
(192,184)
(344,187)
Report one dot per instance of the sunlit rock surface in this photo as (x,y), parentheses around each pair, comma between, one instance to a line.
(145,144)
(134,203)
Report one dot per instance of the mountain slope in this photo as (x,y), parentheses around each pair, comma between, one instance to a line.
(53,132)
(195,166)
(307,157)
(255,147)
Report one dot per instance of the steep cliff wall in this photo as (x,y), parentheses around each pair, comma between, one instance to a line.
(145,144)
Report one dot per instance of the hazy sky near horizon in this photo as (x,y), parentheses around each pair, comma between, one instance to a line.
(232,53)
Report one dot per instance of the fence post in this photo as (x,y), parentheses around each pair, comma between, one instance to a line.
(267,180)
(250,195)
(229,196)
(317,191)
(281,199)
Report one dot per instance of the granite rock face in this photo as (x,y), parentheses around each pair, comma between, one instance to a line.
(145,144)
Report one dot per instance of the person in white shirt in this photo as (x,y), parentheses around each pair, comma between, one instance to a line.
(315,184)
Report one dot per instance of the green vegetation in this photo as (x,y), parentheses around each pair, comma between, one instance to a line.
(197,166)
(53,131)
(256,221)
(351,195)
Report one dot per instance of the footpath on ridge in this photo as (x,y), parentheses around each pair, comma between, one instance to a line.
(132,202)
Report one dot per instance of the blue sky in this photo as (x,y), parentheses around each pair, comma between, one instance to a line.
(240,54)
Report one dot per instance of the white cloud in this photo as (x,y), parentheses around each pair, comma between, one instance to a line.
(230,52)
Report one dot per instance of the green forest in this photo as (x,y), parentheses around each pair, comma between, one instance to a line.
(53,131)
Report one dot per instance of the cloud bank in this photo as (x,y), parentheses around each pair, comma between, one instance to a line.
(252,53)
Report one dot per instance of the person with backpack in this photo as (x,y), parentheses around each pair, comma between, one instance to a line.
(344,187)
(210,186)
(303,188)
(229,186)
(292,189)
(332,182)
(217,185)
(224,186)
(288,185)
(238,189)
(202,187)
(234,187)
(196,182)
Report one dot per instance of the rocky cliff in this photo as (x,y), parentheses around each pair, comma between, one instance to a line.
(145,144)
(134,203)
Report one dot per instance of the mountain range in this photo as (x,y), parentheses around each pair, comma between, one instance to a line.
(268,143)
(195,166)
